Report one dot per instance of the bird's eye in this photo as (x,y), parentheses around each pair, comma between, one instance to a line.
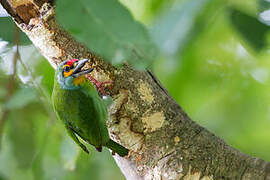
(66,68)
(74,65)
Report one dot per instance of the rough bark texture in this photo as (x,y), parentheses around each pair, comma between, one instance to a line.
(165,143)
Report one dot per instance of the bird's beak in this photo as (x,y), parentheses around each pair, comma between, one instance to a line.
(77,72)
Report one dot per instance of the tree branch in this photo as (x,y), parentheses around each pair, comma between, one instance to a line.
(11,81)
(165,143)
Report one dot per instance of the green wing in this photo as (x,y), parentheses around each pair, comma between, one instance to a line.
(100,107)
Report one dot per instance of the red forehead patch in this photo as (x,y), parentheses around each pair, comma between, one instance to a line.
(71,61)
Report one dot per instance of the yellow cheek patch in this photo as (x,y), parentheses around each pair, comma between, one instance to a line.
(78,80)
(66,74)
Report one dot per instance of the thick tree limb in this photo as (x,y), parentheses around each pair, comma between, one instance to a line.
(165,143)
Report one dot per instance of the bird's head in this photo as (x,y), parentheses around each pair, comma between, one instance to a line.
(70,74)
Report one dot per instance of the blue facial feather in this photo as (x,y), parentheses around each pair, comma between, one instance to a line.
(65,82)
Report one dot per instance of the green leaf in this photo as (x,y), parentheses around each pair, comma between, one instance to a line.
(2,178)
(3,82)
(251,29)
(21,98)
(45,70)
(172,30)
(3,92)
(265,17)
(7,31)
(264,5)
(108,29)
(69,153)
(21,133)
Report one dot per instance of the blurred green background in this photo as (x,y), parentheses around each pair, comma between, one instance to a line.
(213,56)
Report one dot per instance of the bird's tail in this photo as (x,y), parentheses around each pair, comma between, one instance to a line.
(117,148)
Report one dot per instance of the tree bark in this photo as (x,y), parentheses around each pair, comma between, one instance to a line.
(164,142)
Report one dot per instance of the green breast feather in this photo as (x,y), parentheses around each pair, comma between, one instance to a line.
(80,108)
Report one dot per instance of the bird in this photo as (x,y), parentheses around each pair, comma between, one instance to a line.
(78,105)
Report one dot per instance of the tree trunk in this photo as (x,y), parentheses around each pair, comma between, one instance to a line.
(164,142)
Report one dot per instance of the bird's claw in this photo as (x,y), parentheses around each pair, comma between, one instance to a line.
(99,85)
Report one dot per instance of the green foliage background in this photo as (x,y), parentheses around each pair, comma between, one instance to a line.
(212,56)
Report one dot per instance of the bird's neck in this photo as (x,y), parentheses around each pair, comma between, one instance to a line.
(77,81)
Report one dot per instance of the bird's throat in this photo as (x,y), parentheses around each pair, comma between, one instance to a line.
(77,81)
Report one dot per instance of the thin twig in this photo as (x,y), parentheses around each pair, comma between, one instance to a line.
(11,11)
(11,82)
(40,90)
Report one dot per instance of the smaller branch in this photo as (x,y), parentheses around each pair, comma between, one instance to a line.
(40,90)
(11,11)
(11,82)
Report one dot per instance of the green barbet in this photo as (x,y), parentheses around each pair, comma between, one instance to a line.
(77,103)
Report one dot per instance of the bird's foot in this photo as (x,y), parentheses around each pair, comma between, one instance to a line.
(138,157)
(129,153)
(99,85)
